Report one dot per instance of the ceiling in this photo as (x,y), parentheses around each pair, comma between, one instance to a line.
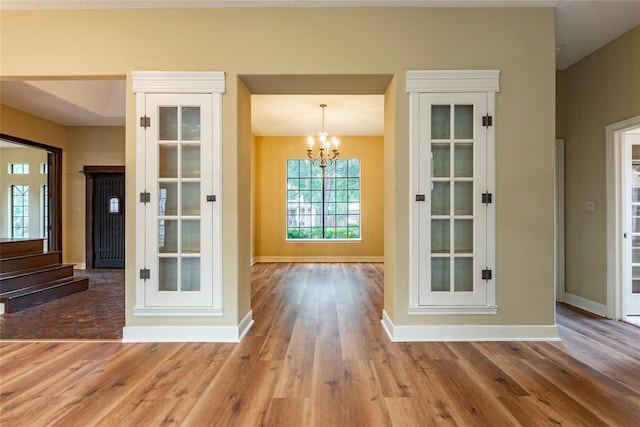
(582,26)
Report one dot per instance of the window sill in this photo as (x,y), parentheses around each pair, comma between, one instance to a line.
(323,240)
(453,310)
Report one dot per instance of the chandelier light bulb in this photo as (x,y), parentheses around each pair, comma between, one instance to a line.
(326,154)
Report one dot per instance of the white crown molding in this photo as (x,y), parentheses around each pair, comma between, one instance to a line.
(178,81)
(453,81)
(450,333)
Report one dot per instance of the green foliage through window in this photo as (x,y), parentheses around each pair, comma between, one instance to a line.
(323,208)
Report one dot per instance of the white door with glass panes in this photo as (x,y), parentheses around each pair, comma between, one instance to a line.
(182,212)
(631,275)
(452,212)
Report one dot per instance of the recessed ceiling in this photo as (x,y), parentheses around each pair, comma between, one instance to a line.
(69,102)
(294,115)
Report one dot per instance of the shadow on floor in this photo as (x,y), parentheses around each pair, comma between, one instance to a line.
(94,314)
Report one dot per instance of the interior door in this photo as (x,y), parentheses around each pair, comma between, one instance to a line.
(108,220)
(631,285)
(179,216)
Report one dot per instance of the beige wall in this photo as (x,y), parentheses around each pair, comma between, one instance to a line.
(27,126)
(35,180)
(271,199)
(86,146)
(602,89)
(242,41)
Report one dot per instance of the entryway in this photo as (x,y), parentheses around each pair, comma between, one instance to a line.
(623,227)
(105,194)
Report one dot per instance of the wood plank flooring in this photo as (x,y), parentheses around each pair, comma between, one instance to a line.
(317,356)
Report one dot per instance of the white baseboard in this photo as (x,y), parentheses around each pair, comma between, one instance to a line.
(426,333)
(584,304)
(267,259)
(79,265)
(232,334)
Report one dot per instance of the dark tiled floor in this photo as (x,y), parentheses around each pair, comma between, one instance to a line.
(94,314)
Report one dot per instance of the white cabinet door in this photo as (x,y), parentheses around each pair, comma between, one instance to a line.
(451,215)
(179,231)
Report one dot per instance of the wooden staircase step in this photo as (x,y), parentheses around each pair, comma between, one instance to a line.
(14,247)
(27,278)
(23,262)
(22,298)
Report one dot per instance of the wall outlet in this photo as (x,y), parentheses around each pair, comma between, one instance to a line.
(590,206)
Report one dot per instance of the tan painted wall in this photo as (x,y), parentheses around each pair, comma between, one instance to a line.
(86,146)
(271,199)
(35,180)
(361,41)
(27,126)
(601,89)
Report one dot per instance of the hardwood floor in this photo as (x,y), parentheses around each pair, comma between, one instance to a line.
(317,356)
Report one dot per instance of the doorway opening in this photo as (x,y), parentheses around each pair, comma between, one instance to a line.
(47,198)
(105,217)
(269,219)
(623,223)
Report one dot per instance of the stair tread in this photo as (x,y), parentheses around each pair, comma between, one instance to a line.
(32,270)
(42,286)
(28,255)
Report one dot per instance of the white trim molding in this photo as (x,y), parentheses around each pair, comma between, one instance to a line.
(231,334)
(450,333)
(178,81)
(318,259)
(453,81)
(477,87)
(452,309)
(584,304)
(177,311)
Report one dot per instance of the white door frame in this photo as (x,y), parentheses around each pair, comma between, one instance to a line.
(559,221)
(614,214)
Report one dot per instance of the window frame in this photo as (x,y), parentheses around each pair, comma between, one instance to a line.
(324,204)
(13,168)
(24,206)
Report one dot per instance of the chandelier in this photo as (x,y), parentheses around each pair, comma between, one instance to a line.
(328,148)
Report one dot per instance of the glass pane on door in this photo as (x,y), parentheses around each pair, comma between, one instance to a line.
(179,198)
(452,198)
